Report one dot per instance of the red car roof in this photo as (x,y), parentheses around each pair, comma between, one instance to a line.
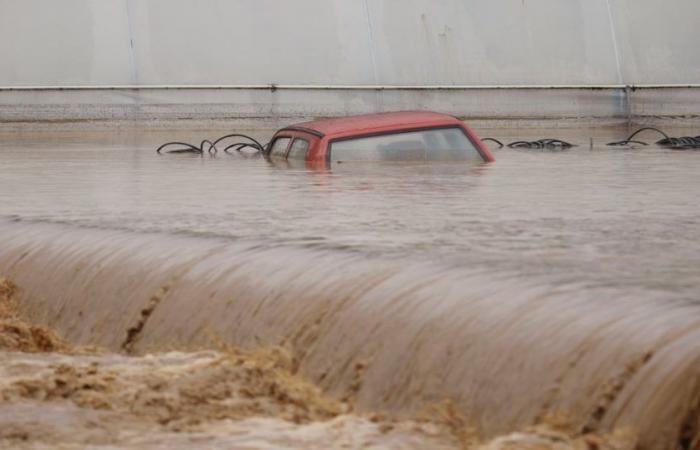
(368,123)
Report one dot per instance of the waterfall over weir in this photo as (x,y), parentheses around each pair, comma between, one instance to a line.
(404,334)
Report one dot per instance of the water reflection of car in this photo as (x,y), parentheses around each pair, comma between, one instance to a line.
(397,136)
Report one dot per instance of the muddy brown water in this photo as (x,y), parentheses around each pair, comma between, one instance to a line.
(548,281)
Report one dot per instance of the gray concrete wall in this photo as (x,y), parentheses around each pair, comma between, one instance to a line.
(340,42)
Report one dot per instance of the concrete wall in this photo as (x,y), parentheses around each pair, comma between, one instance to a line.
(343,42)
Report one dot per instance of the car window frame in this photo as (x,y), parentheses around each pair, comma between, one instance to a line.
(306,152)
(286,150)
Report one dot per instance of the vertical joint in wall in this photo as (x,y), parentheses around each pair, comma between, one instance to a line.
(628,104)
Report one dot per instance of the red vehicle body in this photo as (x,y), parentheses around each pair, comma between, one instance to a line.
(320,134)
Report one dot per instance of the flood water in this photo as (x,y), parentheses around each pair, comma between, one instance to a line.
(602,215)
(533,283)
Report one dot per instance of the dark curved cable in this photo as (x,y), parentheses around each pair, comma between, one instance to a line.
(257,145)
(674,143)
(648,128)
(207,146)
(556,143)
(625,142)
(547,143)
(212,150)
(521,144)
(188,148)
(680,143)
(239,146)
(629,138)
(487,139)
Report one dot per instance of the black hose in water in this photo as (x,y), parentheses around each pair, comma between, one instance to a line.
(544,144)
(500,144)
(207,146)
(549,143)
(680,143)
(675,143)
(629,139)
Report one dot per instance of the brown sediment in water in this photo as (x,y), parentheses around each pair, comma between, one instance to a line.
(53,396)
(202,386)
(205,386)
(17,335)
(250,398)
(263,380)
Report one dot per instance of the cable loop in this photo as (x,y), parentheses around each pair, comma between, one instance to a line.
(674,143)
(210,147)
(541,144)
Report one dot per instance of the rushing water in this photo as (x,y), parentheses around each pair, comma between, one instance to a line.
(547,280)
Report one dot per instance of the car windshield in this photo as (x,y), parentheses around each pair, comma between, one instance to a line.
(440,144)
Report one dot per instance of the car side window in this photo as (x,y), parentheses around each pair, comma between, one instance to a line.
(299,149)
(279,147)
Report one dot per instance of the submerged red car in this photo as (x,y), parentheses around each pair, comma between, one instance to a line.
(395,136)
